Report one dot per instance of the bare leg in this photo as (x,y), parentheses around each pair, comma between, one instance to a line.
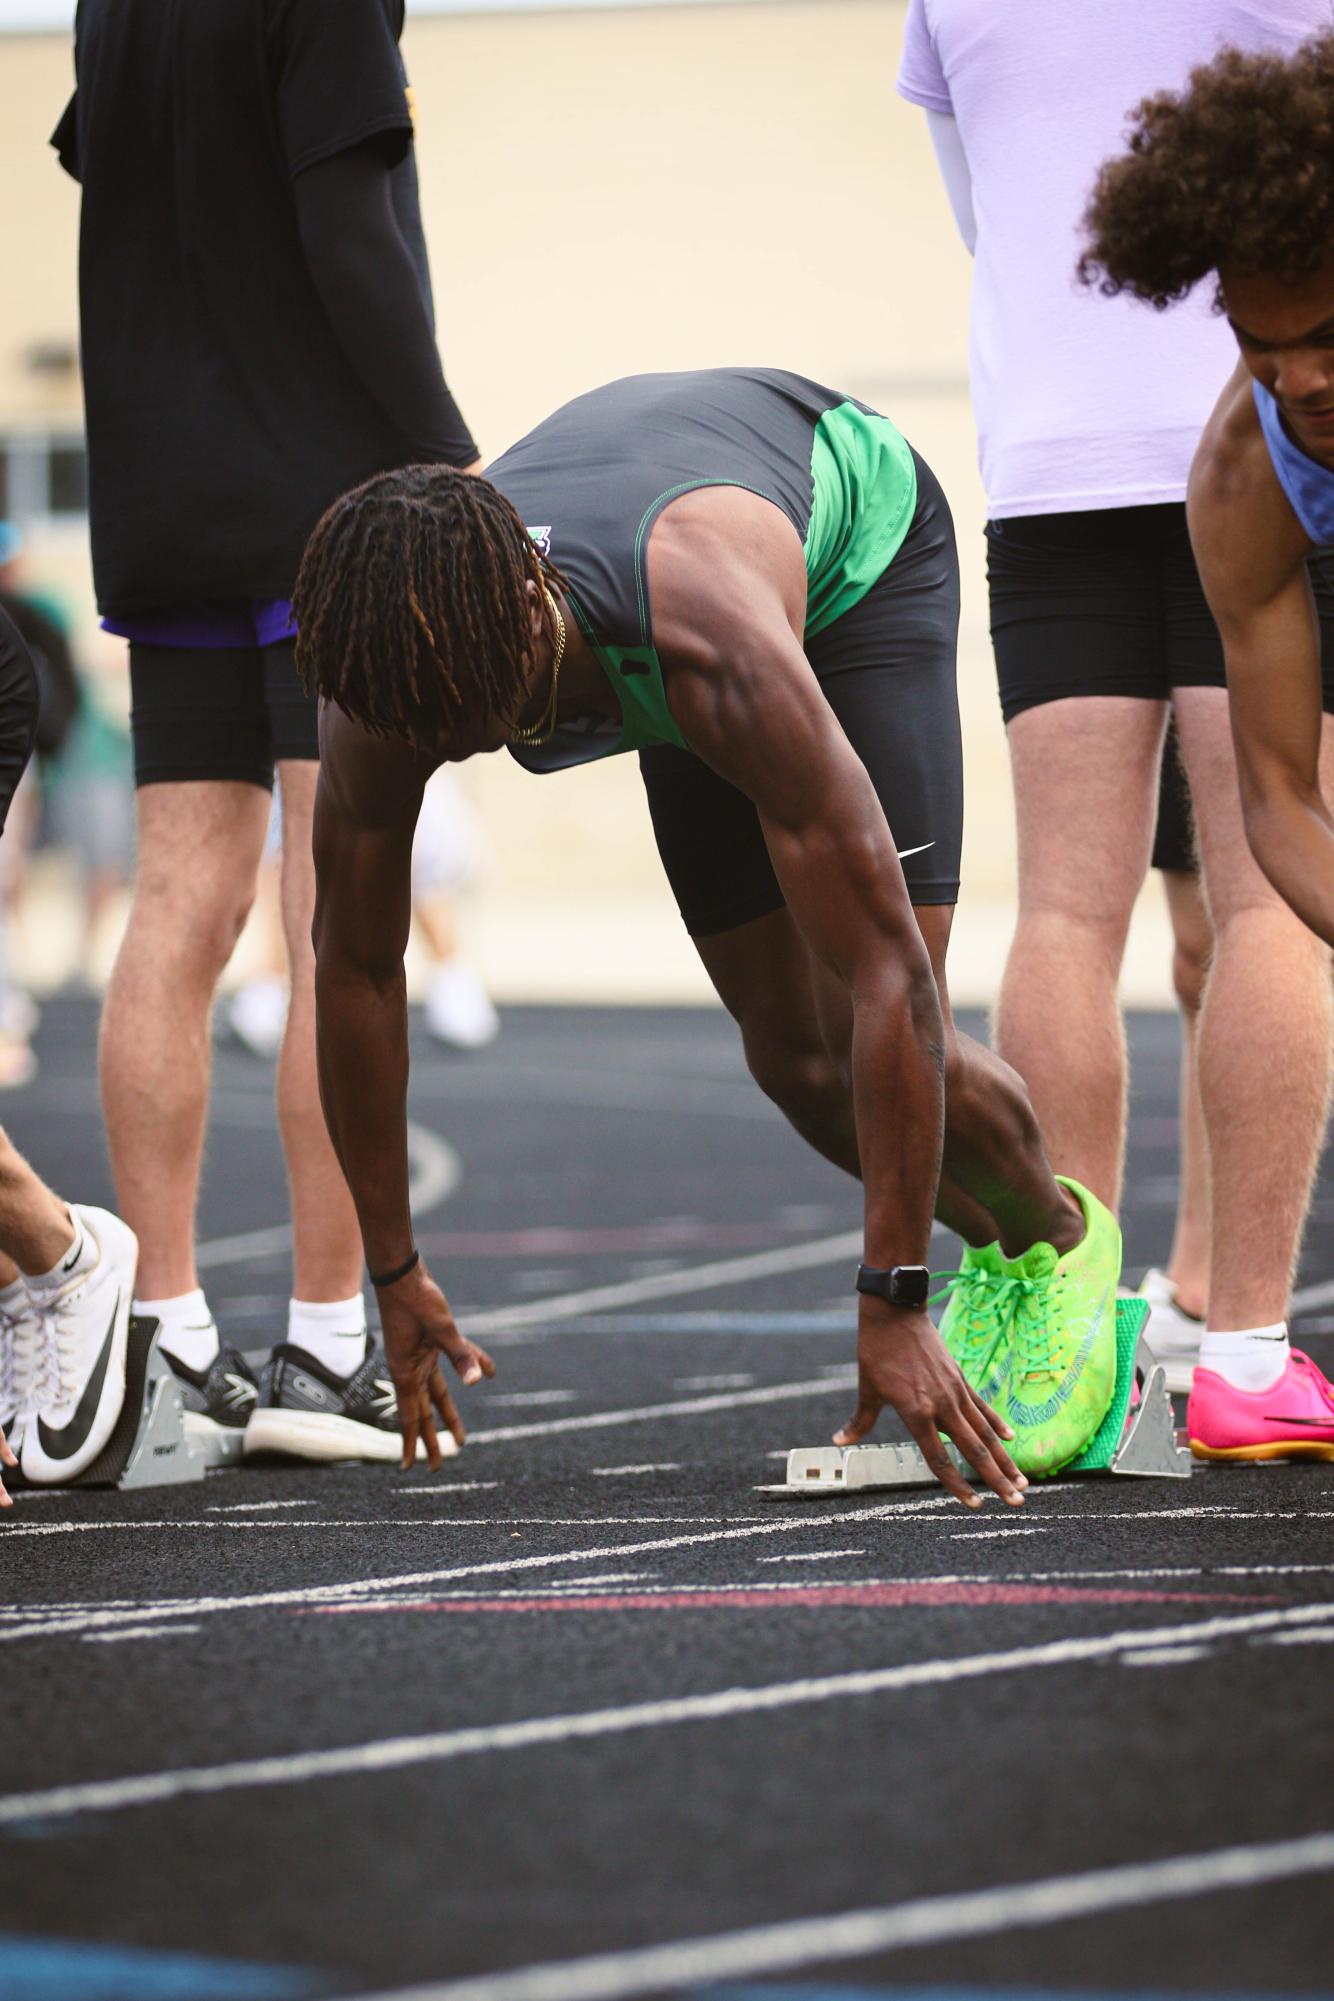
(326,1239)
(1264,1040)
(199,848)
(1086,789)
(797,1047)
(35,1226)
(762,973)
(1188,1266)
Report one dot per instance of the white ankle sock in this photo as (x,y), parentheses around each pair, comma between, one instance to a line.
(13,1299)
(1250,1358)
(332,1330)
(80,1257)
(187,1327)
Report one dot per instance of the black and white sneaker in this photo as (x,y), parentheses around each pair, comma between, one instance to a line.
(306,1411)
(218,1401)
(74,1405)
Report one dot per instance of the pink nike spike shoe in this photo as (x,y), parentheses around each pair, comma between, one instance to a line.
(1292,1419)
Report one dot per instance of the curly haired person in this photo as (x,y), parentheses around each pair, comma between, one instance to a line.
(1232,178)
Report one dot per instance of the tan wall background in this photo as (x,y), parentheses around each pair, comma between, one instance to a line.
(613,191)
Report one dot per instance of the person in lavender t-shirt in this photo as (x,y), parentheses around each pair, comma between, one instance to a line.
(1088,411)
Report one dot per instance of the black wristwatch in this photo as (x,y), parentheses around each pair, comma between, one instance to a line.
(901,1285)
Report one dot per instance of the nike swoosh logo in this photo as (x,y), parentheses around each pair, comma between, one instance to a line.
(63,1444)
(903,853)
(1320,1423)
(73,1257)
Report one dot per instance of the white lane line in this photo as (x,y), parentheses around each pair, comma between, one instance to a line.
(981,1535)
(319,1594)
(601,1420)
(713,1382)
(852,1935)
(699,1278)
(618,1472)
(521,1398)
(394,1753)
(434,1493)
(255,1507)
(434,1173)
(139,1633)
(1149,1657)
(906,1510)
(812,1556)
(1293,1639)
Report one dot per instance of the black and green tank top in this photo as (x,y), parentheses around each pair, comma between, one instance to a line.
(591,481)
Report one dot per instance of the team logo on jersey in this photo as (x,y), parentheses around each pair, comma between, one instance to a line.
(542,537)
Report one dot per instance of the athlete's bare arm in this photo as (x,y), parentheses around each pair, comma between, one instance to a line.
(728,581)
(366,805)
(1251,551)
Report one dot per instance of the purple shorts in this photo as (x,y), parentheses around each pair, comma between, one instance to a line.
(224,622)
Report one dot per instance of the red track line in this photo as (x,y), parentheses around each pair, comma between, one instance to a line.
(927,1592)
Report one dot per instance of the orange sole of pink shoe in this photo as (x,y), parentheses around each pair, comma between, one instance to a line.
(1292,1448)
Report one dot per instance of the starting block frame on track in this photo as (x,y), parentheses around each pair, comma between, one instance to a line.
(1139,1443)
(149,1446)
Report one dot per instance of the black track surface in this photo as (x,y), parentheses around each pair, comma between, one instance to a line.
(597,1147)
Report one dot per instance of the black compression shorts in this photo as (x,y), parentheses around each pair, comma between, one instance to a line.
(221,712)
(887,669)
(19,703)
(1109,602)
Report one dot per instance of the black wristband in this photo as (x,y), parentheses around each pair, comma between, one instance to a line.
(380,1279)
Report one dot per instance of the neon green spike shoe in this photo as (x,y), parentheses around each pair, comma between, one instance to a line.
(1063,1342)
(974,1323)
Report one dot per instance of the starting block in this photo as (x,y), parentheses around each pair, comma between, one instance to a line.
(149,1446)
(1137,1443)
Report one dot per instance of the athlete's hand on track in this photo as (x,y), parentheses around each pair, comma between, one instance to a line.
(902,1361)
(418,1328)
(6,1459)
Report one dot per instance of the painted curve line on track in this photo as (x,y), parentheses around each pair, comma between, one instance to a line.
(396,1753)
(312,1594)
(852,1935)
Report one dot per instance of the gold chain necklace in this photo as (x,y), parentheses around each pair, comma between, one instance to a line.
(545,729)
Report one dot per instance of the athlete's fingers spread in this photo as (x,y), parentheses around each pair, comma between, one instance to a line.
(860,1423)
(430,1436)
(406,1394)
(471,1361)
(445,1406)
(984,1460)
(6,1451)
(932,1447)
(991,1436)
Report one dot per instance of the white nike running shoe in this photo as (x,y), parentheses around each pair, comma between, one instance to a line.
(81,1382)
(1173,1336)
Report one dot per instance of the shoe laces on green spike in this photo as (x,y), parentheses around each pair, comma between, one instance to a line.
(1035,1313)
(972,1291)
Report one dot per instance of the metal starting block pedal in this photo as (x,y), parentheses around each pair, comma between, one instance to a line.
(149,1446)
(1139,1443)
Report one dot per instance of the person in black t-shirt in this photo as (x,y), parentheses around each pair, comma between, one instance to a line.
(257,335)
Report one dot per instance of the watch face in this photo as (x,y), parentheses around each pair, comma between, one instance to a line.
(909,1284)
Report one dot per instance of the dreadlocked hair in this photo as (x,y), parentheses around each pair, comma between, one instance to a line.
(1236,171)
(410,603)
